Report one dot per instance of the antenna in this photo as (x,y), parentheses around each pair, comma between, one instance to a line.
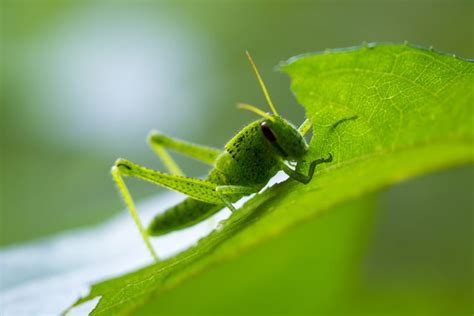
(254,109)
(260,80)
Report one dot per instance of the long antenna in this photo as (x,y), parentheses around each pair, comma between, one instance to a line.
(254,109)
(260,80)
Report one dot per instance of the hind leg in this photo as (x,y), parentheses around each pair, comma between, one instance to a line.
(193,187)
(127,197)
(197,189)
(160,142)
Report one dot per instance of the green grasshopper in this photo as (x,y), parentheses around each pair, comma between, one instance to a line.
(249,160)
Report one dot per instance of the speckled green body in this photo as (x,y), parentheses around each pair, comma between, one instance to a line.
(249,159)
(245,166)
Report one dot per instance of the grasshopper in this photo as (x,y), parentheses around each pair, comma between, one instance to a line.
(249,160)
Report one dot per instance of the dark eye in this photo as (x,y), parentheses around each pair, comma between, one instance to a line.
(267,132)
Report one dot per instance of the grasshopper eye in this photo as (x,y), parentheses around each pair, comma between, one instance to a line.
(267,132)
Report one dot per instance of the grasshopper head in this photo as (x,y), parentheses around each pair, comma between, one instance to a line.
(285,140)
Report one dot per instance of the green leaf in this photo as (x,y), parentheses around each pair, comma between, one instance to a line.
(386,113)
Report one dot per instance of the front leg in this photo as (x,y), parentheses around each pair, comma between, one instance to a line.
(300,177)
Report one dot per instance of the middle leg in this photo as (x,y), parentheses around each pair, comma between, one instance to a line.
(233,190)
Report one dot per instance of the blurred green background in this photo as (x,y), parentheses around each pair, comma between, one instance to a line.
(82,83)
